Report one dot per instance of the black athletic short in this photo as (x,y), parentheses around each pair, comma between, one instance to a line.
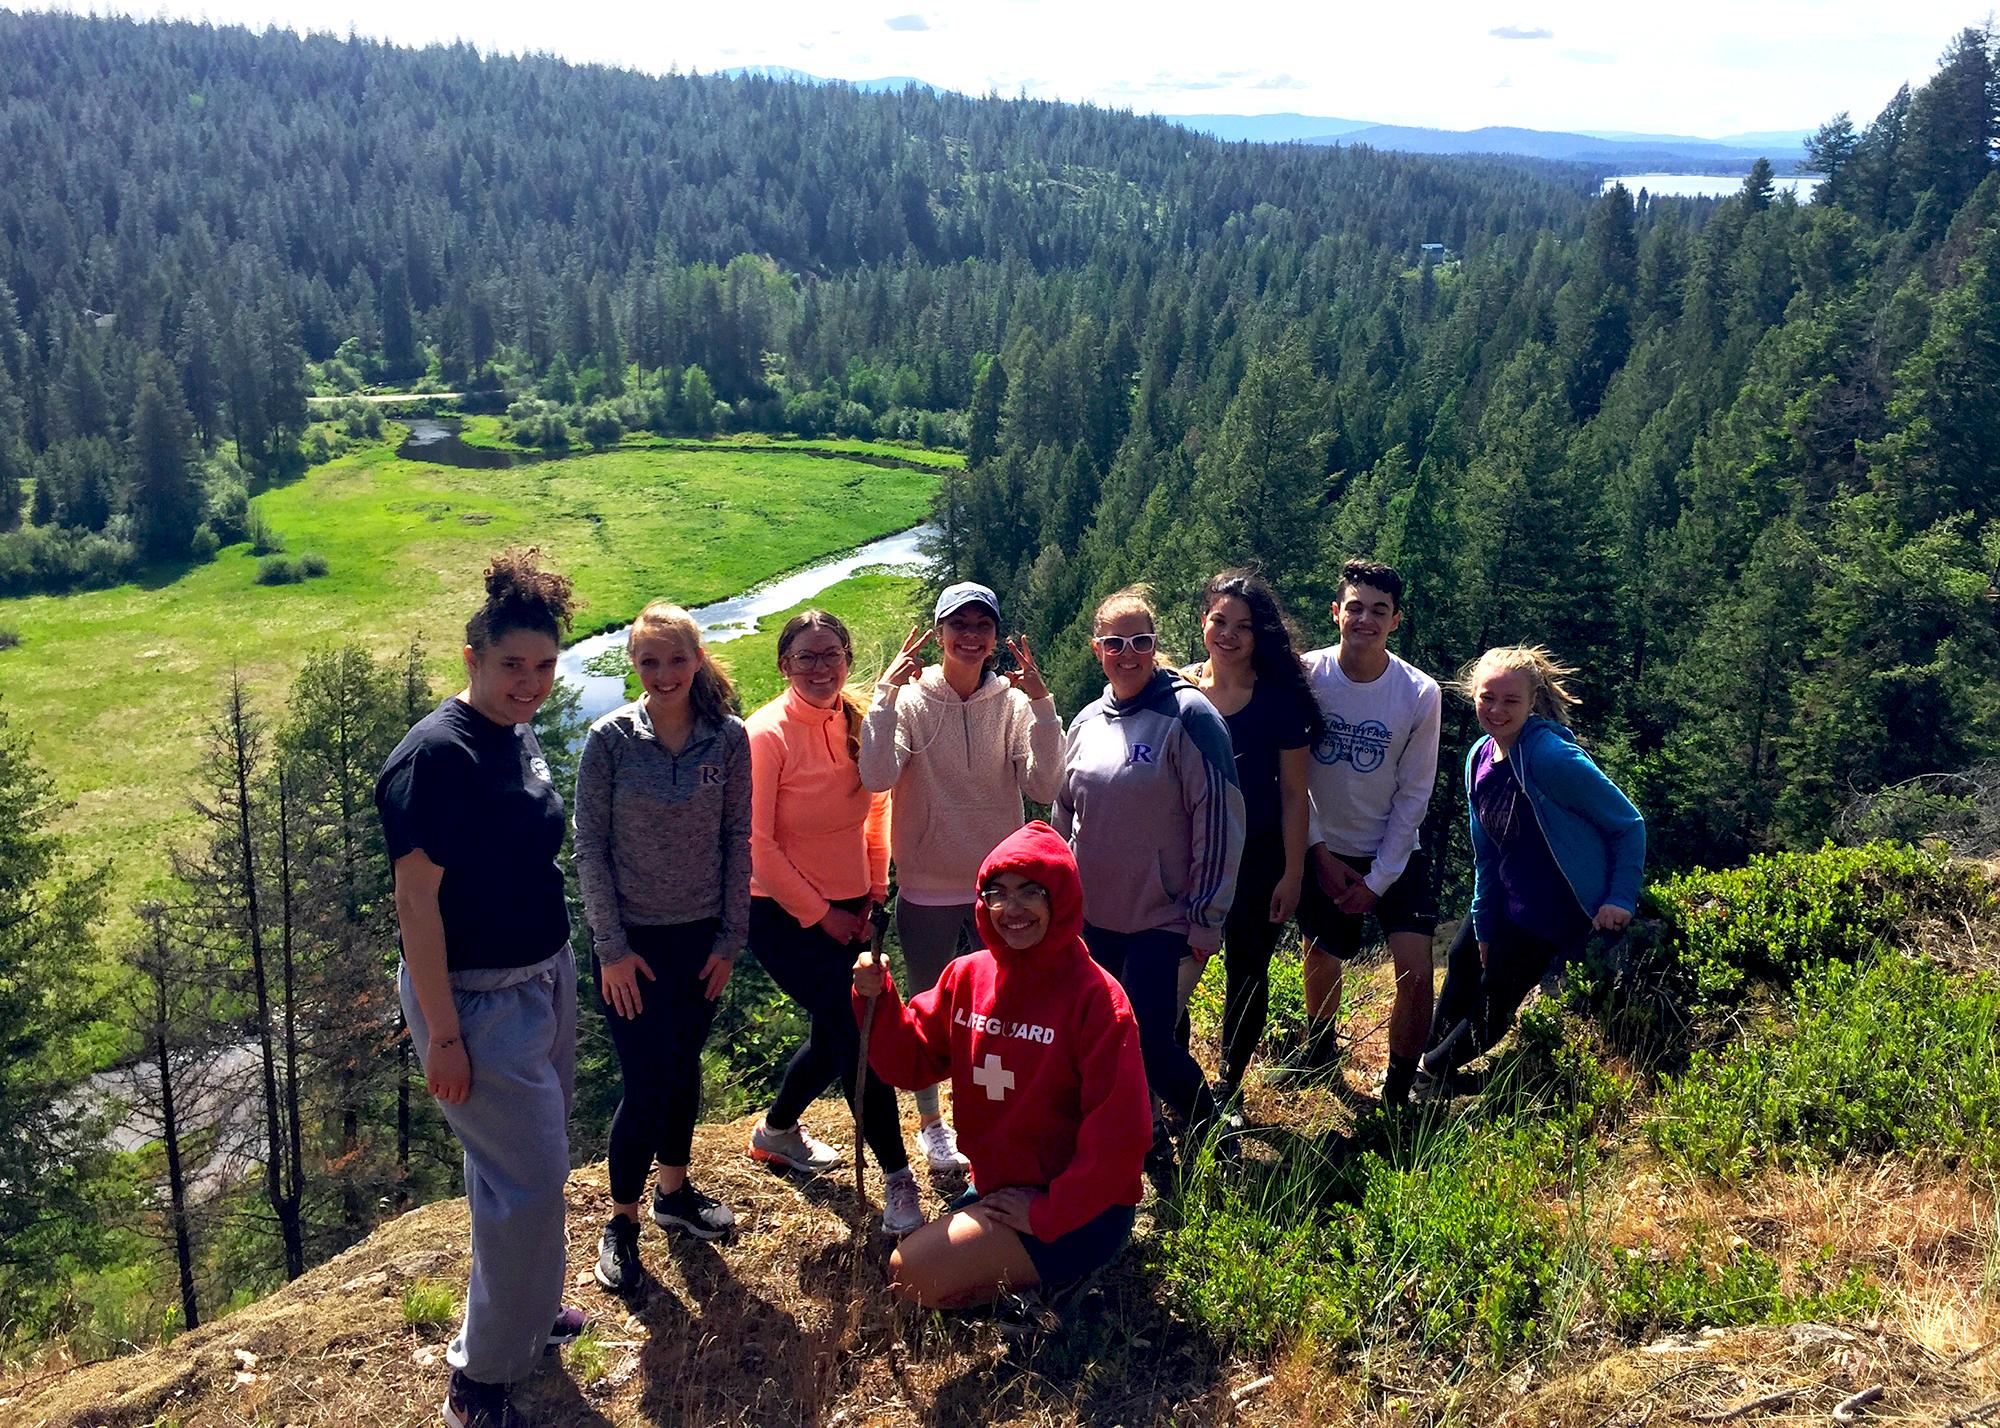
(1406,907)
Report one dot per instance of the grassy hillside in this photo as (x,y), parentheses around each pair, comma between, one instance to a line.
(116,683)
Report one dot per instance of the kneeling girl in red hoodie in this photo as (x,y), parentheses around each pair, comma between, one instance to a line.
(1046,1079)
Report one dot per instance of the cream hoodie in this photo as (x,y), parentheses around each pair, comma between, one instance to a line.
(956,769)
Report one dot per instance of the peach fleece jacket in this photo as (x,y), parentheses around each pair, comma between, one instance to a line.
(816,835)
(955,770)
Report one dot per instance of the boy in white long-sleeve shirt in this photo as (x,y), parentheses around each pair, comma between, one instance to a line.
(1370,782)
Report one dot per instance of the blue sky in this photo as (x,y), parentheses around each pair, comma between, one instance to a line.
(1706,67)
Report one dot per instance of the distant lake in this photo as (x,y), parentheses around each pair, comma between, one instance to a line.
(1707,185)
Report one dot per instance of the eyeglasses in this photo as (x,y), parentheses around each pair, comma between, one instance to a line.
(830,660)
(1115,644)
(1028,895)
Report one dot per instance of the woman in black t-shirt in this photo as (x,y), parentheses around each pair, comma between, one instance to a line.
(488,986)
(1253,677)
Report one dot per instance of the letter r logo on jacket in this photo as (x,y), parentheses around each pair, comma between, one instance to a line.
(1141,754)
(711,774)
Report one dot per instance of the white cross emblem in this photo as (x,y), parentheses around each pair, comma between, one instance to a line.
(997,1079)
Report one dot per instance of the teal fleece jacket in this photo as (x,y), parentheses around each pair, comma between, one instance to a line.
(1597,836)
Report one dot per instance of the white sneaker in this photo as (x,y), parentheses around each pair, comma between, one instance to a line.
(940,1146)
(797,1149)
(900,1211)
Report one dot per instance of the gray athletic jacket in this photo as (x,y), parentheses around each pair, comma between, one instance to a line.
(1150,806)
(663,838)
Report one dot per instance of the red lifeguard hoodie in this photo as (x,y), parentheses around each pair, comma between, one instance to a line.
(1047,1087)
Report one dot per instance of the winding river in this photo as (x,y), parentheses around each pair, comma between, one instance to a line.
(436,439)
(599,694)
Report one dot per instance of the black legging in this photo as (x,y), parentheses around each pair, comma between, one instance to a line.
(1249,937)
(1476,1005)
(1147,966)
(818,973)
(659,1054)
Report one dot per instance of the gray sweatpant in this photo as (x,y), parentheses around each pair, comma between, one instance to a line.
(931,938)
(519,1028)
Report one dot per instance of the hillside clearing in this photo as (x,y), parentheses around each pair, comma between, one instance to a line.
(116,683)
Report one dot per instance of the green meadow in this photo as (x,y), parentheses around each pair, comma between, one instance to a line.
(115,685)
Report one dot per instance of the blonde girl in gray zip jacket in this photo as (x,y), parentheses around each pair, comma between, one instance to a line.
(956,747)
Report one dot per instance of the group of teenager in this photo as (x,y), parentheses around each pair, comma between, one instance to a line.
(1047,966)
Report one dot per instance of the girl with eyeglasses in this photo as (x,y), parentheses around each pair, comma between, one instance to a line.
(1150,805)
(1047,1081)
(819,870)
(1558,851)
(955,746)
(663,856)
(1255,680)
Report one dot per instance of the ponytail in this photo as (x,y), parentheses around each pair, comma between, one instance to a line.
(711,693)
(850,703)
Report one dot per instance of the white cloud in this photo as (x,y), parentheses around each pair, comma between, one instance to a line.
(1516,32)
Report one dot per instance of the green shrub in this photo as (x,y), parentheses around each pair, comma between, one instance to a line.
(1643,1293)
(1892,1056)
(263,539)
(283,570)
(427,1302)
(1784,913)
(1553,1083)
(205,543)
(1440,1247)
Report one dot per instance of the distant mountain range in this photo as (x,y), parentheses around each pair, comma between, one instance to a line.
(1601,149)
(1606,149)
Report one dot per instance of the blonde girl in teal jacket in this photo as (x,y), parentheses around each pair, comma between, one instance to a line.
(1558,850)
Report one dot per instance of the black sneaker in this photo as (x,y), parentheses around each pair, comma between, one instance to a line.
(618,1267)
(692,1212)
(468,1403)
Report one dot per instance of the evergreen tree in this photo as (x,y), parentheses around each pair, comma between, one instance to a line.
(164,498)
(1269,460)
(53,1156)
(199,354)
(229,884)
(399,330)
(174,1019)
(982,426)
(1829,151)
(1938,458)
